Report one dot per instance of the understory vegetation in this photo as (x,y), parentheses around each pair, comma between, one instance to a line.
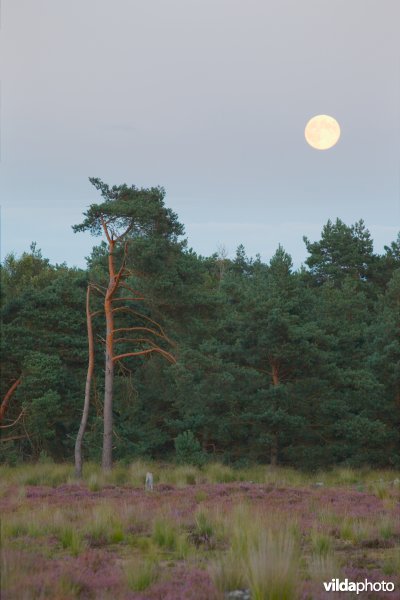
(201,532)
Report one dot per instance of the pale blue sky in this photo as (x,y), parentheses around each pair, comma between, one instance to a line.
(208,98)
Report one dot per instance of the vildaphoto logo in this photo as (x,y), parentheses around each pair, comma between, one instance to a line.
(336,585)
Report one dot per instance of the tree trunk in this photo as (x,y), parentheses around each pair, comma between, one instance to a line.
(7,397)
(85,414)
(275,374)
(274,450)
(109,367)
(108,395)
(274,445)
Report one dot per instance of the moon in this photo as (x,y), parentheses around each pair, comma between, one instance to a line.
(322,132)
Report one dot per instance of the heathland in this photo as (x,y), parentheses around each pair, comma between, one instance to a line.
(270,394)
(201,533)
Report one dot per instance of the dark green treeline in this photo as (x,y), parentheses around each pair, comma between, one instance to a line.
(273,365)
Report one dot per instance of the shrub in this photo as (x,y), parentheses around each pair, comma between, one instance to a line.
(188,450)
(45,459)
(200,496)
(218,473)
(181,476)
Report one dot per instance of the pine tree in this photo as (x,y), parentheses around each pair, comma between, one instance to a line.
(126,213)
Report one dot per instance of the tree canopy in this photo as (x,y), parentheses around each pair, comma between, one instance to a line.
(271,364)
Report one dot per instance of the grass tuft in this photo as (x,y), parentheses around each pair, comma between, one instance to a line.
(94,482)
(140,574)
(272,566)
(227,573)
(71,540)
(165,535)
(204,526)
(104,526)
(323,567)
(321,543)
(355,530)
(391,565)
(386,527)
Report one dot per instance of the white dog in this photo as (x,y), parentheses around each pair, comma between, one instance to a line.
(149,482)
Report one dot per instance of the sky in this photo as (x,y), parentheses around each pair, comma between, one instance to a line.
(208,98)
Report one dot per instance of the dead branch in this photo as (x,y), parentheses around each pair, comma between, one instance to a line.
(127,230)
(164,353)
(141,328)
(99,288)
(12,437)
(145,317)
(127,298)
(21,414)
(128,287)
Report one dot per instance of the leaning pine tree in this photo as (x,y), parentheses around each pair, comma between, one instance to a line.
(126,214)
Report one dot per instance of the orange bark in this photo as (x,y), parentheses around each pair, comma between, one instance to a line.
(109,366)
(275,373)
(114,283)
(7,398)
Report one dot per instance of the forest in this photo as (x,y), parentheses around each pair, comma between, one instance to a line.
(214,358)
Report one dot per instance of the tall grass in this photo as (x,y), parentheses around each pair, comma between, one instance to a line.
(380,483)
(104,526)
(356,530)
(321,543)
(72,540)
(263,556)
(323,567)
(391,565)
(228,573)
(272,566)
(386,526)
(165,534)
(140,573)
(204,525)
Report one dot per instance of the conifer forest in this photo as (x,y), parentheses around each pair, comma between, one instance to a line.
(156,352)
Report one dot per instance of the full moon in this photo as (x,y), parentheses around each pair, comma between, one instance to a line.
(322,132)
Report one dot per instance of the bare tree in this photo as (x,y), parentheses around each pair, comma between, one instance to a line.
(90,370)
